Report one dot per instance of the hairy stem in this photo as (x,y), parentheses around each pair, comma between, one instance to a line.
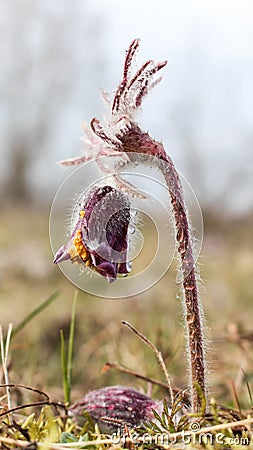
(193,320)
(137,141)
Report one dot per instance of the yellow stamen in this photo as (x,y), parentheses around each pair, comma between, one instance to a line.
(80,248)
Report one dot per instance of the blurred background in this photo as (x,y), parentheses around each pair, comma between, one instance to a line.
(56,57)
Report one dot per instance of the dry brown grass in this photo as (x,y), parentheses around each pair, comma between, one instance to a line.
(28,277)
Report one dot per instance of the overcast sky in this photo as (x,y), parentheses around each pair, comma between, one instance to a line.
(201,110)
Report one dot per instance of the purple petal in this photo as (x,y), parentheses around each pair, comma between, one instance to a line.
(61,255)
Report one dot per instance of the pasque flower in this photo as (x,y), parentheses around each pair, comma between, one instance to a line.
(99,239)
(121,134)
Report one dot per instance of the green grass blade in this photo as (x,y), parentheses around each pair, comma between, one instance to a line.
(64,368)
(34,313)
(71,344)
(248,386)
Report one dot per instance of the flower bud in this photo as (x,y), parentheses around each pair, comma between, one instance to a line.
(123,404)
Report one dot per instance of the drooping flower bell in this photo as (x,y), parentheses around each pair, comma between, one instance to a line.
(99,239)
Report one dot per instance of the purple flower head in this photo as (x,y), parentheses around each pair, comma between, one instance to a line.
(125,404)
(99,240)
(101,245)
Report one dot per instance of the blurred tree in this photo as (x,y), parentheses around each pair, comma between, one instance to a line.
(45,49)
